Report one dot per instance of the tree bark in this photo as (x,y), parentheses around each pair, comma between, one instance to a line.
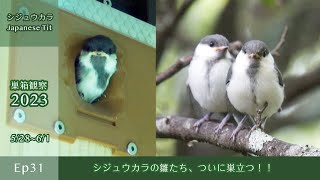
(257,143)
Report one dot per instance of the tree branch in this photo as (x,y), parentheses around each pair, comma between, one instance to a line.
(163,36)
(258,143)
(235,48)
(173,69)
(296,86)
(275,51)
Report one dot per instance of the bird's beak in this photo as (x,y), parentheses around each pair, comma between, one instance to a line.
(99,53)
(221,48)
(255,56)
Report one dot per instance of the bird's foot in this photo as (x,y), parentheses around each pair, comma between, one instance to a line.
(238,128)
(260,126)
(197,124)
(258,117)
(260,111)
(217,129)
(224,121)
(235,132)
(255,127)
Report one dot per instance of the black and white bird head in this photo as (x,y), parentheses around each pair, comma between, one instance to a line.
(95,66)
(255,51)
(99,44)
(212,46)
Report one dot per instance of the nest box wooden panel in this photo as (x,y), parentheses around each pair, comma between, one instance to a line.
(125,114)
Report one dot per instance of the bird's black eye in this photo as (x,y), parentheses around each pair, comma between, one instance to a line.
(244,51)
(211,44)
(265,53)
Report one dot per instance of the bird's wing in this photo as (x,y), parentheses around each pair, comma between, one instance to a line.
(229,75)
(189,96)
(279,76)
(188,88)
(280,80)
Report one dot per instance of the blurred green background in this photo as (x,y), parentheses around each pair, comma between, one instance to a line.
(182,23)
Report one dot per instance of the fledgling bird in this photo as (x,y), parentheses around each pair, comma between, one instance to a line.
(94,67)
(207,76)
(254,84)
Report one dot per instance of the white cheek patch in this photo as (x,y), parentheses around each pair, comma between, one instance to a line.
(85,61)
(83,53)
(204,50)
(242,61)
(270,58)
(113,56)
(111,65)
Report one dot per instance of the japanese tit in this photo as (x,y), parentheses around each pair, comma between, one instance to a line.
(207,76)
(94,67)
(254,84)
